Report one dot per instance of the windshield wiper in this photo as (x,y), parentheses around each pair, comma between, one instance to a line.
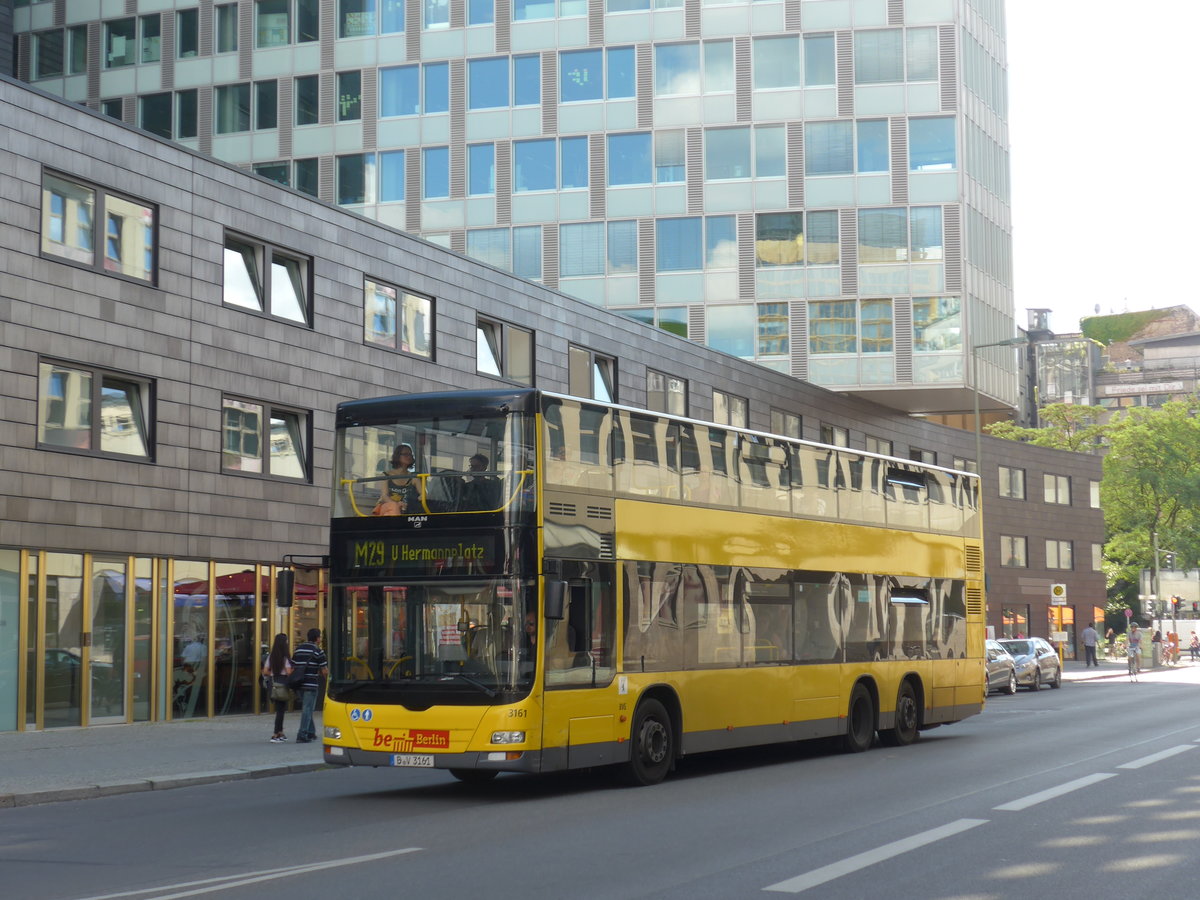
(489,692)
(349,687)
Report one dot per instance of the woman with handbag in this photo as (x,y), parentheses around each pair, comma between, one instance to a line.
(275,674)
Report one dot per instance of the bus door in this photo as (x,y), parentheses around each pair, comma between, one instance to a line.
(579,665)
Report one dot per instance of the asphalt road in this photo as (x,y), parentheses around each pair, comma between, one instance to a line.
(1089,791)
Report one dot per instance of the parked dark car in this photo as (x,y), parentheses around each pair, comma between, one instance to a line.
(1037,662)
(1001,669)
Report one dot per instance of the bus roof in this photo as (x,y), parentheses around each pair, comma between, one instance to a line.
(382,410)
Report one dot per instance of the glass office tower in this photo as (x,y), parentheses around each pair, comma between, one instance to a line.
(817,185)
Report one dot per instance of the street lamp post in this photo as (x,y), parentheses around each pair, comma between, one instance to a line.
(1011,342)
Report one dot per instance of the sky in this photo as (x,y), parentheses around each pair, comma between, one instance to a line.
(1104,152)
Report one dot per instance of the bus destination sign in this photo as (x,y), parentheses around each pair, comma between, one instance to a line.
(419,553)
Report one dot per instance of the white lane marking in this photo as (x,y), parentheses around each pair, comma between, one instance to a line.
(870,857)
(1155,757)
(1040,796)
(223,882)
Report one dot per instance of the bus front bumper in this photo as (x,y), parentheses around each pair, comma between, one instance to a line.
(496,760)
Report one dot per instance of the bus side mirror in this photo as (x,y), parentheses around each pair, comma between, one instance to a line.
(556,591)
(285,581)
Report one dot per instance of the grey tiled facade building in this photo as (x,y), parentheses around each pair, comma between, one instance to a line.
(175,334)
(820,186)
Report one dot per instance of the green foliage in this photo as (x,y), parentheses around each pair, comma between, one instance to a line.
(1152,484)
(1122,327)
(1066,426)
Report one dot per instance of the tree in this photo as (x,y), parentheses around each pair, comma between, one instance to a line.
(1065,426)
(1152,485)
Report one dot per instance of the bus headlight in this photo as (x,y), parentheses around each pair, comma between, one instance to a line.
(508,737)
(333,732)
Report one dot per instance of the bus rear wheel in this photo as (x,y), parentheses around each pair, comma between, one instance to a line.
(860,721)
(652,744)
(907,719)
(474,776)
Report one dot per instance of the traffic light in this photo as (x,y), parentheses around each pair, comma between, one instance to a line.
(1169,560)
(1174,604)
(1148,607)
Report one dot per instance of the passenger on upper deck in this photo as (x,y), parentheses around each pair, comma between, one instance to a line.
(399,492)
(480,491)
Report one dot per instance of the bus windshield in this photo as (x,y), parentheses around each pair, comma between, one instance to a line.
(451,641)
(434,465)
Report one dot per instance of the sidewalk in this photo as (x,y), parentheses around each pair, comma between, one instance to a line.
(78,763)
(1183,672)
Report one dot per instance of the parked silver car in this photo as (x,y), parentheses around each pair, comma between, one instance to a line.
(1037,662)
(1001,669)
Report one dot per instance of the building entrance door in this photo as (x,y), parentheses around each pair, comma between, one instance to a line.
(108,654)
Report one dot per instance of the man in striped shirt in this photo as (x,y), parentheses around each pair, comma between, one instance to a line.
(312,658)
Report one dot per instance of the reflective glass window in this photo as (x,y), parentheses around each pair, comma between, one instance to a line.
(819,68)
(399,91)
(773,329)
(308,99)
(527,80)
(573,152)
(832,326)
(828,148)
(231,108)
(676,69)
(921,54)
(356,18)
(873,151)
(436,14)
(718,66)
(481,169)
(391,176)
(926,233)
(437,87)
(882,235)
(779,239)
(670,159)
(581,249)
(622,72)
(878,56)
(272,25)
(777,62)
(491,246)
(187,35)
(720,242)
(770,151)
(622,247)
(120,43)
(48,54)
(679,244)
(349,98)
(581,75)
(266,104)
(937,324)
(487,83)
(731,329)
(155,114)
(527,251)
(226,31)
(435,165)
(533,165)
(355,179)
(481,12)
(629,159)
(931,144)
(726,153)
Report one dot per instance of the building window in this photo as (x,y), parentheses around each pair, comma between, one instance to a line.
(1094,494)
(356,18)
(937,324)
(273,22)
(187,110)
(391,176)
(1056,489)
(398,319)
(349,100)
(879,445)
(481,12)
(487,83)
(77,50)
(581,249)
(266,104)
(666,393)
(120,43)
(928,457)
(231,108)
(48,54)
(591,375)
(94,411)
(435,172)
(73,212)
(308,99)
(787,424)
(896,235)
(931,145)
(729,409)
(819,60)
(1013,553)
(305,176)
(187,33)
(1097,557)
(256,438)
(834,435)
(779,239)
(691,68)
(964,465)
(737,153)
(154,114)
(776,62)
(266,279)
(355,179)
(878,56)
(1011,483)
(630,160)
(227,28)
(492,246)
(1058,555)
(481,169)
(504,351)
(279,172)
(527,79)
(527,251)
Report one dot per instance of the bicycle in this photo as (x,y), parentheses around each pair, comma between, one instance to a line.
(1135,662)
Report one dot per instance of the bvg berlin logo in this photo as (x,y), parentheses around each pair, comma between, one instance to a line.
(415,739)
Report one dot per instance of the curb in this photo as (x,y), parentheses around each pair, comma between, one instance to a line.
(163,783)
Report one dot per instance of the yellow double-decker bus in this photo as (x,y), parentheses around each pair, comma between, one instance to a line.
(527,582)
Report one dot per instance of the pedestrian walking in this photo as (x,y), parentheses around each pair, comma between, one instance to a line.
(1111,637)
(312,661)
(1194,646)
(275,671)
(1089,637)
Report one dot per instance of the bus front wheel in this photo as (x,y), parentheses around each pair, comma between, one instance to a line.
(860,721)
(652,744)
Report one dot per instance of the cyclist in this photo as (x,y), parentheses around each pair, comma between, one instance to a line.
(1135,650)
